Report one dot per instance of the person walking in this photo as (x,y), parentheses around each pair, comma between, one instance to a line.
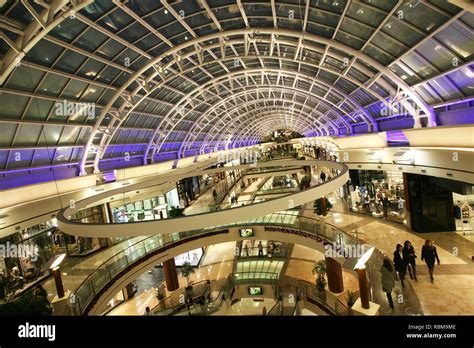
(214,195)
(409,258)
(400,265)
(322,176)
(367,203)
(388,280)
(260,249)
(429,255)
(385,204)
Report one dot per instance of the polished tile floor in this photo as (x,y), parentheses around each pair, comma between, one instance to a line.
(452,291)
(247,306)
(450,294)
(76,269)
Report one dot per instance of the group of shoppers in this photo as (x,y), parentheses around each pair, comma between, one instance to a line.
(404,258)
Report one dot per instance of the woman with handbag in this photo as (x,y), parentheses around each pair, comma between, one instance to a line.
(399,263)
(388,280)
(409,258)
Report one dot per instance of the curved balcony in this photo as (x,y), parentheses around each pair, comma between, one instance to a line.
(222,216)
(120,269)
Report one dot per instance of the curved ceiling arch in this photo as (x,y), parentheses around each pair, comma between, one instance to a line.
(262,114)
(308,111)
(268,111)
(190,61)
(289,98)
(289,73)
(174,54)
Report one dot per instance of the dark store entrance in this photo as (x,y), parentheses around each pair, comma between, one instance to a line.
(431,202)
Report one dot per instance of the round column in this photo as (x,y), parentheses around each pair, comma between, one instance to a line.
(334,275)
(171,275)
(363,288)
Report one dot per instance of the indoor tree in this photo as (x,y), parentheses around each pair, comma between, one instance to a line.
(175,212)
(186,271)
(320,269)
(318,206)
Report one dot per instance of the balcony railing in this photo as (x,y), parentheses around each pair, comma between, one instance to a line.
(286,222)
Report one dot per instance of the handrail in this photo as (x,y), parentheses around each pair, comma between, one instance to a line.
(240,277)
(94,283)
(316,300)
(278,252)
(282,219)
(173,308)
(276,309)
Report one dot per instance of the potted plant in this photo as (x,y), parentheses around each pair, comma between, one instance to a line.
(351,299)
(186,271)
(305,182)
(160,296)
(318,206)
(175,212)
(320,270)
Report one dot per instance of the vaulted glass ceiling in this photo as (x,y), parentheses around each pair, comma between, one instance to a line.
(89,83)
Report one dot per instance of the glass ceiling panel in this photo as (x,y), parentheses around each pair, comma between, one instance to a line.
(402,32)
(38,109)
(464,79)
(365,14)
(7,132)
(116,20)
(421,16)
(27,135)
(68,30)
(362,18)
(25,79)
(69,62)
(44,53)
(418,65)
(458,39)
(445,89)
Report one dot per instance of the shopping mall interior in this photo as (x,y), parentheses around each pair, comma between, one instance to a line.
(237,158)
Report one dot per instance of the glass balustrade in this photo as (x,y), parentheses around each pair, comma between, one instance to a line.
(209,208)
(116,264)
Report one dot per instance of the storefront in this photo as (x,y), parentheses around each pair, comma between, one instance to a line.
(81,246)
(377,193)
(193,257)
(141,210)
(188,189)
(439,205)
(463,209)
(24,256)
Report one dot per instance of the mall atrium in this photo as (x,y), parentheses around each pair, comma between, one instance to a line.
(237,158)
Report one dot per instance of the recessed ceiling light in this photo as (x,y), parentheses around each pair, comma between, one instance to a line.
(166,11)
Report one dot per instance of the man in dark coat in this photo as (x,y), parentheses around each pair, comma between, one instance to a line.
(400,265)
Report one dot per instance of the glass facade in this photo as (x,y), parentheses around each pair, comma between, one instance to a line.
(377,193)
(25,256)
(141,210)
